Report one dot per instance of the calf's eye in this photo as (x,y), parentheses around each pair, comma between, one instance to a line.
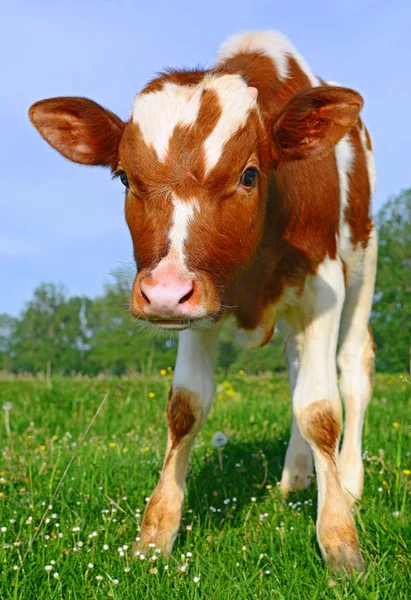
(123,179)
(249,178)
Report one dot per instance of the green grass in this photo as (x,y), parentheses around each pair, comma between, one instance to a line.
(260,545)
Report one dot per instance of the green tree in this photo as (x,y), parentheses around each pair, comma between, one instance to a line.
(391,315)
(51,331)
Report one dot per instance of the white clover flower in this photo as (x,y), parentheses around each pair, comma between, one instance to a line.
(7,406)
(4,529)
(48,568)
(189,527)
(90,566)
(126,569)
(105,547)
(56,575)
(99,577)
(219,439)
(253,499)
(52,562)
(115,581)
(189,554)
(196,579)
(15,568)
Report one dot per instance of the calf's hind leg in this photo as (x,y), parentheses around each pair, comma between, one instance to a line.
(189,402)
(298,464)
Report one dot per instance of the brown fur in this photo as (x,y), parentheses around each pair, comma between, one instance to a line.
(358,210)
(321,426)
(180,414)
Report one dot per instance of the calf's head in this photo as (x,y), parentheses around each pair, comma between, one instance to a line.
(194,159)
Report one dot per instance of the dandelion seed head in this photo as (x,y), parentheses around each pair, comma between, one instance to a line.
(219,439)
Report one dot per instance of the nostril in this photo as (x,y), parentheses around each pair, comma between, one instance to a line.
(187,296)
(145,297)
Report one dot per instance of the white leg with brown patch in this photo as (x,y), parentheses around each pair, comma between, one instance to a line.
(298,464)
(356,363)
(317,410)
(188,406)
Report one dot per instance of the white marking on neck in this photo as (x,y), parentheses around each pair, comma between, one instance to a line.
(157,113)
(271,43)
(369,159)
(236,103)
(344,154)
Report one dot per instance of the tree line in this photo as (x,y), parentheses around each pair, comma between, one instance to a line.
(79,335)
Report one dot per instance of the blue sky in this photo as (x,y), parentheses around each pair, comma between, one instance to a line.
(64,223)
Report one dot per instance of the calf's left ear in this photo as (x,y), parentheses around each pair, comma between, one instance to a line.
(314,121)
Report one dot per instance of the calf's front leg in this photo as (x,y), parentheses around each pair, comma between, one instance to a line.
(188,405)
(317,410)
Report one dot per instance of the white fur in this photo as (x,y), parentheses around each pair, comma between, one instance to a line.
(236,103)
(271,43)
(344,154)
(354,359)
(298,463)
(369,158)
(194,366)
(157,113)
(183,215)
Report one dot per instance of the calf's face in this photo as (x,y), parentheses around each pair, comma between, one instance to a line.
(194,158)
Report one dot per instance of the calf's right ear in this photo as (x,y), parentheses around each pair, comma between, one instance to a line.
(80,129)
(314,121)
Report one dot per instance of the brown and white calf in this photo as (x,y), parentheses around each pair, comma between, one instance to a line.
(248,190)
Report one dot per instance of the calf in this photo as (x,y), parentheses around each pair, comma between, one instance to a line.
(248,191)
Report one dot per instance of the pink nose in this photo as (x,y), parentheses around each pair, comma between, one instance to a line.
(166,295)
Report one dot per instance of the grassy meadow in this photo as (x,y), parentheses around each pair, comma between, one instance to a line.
(240,538)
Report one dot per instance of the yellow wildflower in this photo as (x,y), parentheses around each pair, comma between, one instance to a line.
(111,444)
(395,424)
(163,372)
(151,395)
(407,472)
(385,483)
(241,372)
(42,447)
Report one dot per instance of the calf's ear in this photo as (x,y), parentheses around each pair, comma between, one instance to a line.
(80,129)
(314,121)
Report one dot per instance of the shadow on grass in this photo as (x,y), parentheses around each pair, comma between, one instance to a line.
(247,469)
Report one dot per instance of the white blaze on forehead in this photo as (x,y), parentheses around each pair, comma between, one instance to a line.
(157,113)
(270,43)
(183,215)
(236,102)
